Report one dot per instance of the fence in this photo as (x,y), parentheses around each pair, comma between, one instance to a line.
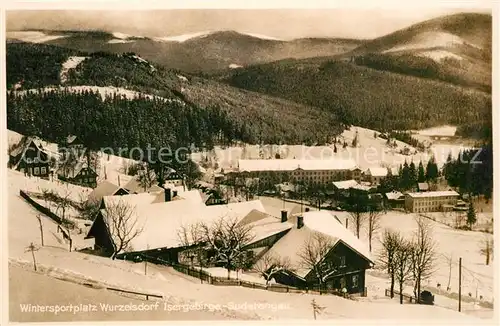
(407,297)
(40,208)
(147,295)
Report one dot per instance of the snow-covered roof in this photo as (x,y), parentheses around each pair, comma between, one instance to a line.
(346,184)
(73,170)
(315,222)
(377,172)
(132,200)
(393,195)
(104,188)
(433,194)
(161,223)
(423,186)
(48,148)
(264,225)
(291,165)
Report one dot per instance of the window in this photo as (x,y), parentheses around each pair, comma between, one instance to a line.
(355,281)
(43,170)
(36,171)
(342,261)
(84,172)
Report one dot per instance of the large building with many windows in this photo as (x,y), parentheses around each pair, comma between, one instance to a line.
(431,201)
(295,171)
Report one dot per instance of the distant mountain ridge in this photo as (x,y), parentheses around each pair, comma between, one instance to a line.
(196,52)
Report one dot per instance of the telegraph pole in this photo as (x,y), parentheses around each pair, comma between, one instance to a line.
(460,284)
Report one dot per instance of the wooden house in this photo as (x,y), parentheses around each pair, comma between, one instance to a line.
(79,173)
(30,157)
(343,264)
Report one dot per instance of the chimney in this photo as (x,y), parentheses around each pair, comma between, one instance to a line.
(168,194)
(300,221)
(284,216)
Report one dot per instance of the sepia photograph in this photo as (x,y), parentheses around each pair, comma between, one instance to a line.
(204,165)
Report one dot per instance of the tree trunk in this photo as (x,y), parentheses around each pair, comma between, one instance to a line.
(392,283)
(419,284)
(400,292)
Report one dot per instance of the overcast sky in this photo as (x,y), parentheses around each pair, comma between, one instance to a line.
(286,24)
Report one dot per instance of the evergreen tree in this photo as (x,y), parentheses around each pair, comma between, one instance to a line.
(405,177)
(471,216)
(432,169)
(412,175)
(421,172)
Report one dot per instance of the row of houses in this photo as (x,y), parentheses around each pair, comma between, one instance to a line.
(162,215)
(70,163)
(306,171)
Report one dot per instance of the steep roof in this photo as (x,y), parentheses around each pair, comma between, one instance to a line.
(377,172)
(162,222)
(393,195)
(291,165)
(315,222)
(104,188)
(346,184)
(24,144)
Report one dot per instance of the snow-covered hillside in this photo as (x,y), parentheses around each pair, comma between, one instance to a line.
(428,40)
(71,63)
(370,151)
(104,91)
(32,36)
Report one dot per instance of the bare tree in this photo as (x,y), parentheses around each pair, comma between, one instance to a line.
(312,255)
(191,238)
(270,265)
(391,240)
(32,248)
(88,208)
(146,178)
(423,254)
(486,248)
(39,218)
(122,225)
(373,225)
(403,266)
(47,195)
(227,239)
(358,219)
(449,261)
(63,201)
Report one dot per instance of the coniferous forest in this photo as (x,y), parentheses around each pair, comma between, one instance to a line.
(118,122)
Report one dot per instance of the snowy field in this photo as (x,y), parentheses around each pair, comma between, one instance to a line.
(32,36)
(370,152)
(428,40)
(71,63)
(55,260)
(103,91)
(451,244)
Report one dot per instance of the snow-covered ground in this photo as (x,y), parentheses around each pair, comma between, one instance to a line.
(71,63)
(444,131)
(32,36)
(55,260)
(183,37)
(370,152)
(439,55)
(427,40)
(450,243)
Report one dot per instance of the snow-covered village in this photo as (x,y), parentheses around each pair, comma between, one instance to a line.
(143,184)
